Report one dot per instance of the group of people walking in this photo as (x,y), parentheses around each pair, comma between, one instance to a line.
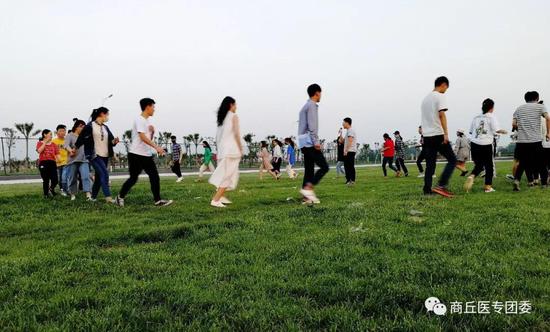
(69,157)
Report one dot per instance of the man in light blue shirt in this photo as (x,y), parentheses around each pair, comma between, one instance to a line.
(310,145)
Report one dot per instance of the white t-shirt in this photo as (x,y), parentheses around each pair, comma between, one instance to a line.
(483,129)
(141,125)
(353,147)
(431,106)
(101,140)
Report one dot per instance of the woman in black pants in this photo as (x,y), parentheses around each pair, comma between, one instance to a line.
(483,129)
(47,156)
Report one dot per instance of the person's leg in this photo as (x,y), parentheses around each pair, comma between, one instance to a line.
(53,176)
(309,166)
(403,166)
(320,161)
(447,152)
(134,167)
(430,153)
(384,162)
(84,171)
(45,175)
(351,156)
(390,165)
(151,170)
(176,169)
(211,167)
(96,164)
(72,186)
(65,177)
(540,164)
(419,160)
(347,168)
(520,165)
(202,169)
(488,165)
(397,164)
(60,177)
(477,158)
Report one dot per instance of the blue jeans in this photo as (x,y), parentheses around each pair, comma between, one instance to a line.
(84,171)
(340,168)
(101,176)
(62,174)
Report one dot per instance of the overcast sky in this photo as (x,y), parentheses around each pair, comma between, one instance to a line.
(374,60)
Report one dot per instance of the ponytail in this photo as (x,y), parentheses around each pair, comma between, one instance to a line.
(98,111)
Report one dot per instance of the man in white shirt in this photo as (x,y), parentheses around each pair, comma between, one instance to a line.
(436,138)
(350,149)
(140,155)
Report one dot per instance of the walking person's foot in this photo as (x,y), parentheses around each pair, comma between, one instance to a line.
(179,179)
(73,197)
(224,200)
(443,191)
(119,201)
(420,175)
(217,204)
(164,202)
(309,194)
(490,190)
(510,177)
(516,185)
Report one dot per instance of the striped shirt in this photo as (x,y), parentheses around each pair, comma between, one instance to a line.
(400,147)
(528,118)
(176,150)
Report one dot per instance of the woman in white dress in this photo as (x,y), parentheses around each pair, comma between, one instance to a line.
(230,150)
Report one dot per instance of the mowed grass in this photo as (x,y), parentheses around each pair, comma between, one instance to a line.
(358,261)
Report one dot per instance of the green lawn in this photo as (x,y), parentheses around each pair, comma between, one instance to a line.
(358,261)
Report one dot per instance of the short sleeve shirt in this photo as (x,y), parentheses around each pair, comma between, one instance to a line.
(141,125)
(434,103)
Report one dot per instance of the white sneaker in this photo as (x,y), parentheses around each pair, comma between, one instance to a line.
(164,202)
(63,193)
(217,204)
(119,201)
(179,179)
(224,200)
(73,197)
(421,175)
(490,190)
(310,196)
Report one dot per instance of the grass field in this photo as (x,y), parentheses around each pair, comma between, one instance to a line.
(358,261)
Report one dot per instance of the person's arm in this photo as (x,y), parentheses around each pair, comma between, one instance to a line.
(237,133)
(312,125)
(41,148)
(350,142)
(149,142)
(547,118)
(443,119)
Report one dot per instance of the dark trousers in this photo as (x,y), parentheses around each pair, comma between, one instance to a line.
(101,177)
(349,166)
(388,161)
(276,164)
(400,163)
(137,164)
(48,173)
(433,145)
(482,156)
(313,157)
(176,168)
(419,160)
(531,160)
(546,155)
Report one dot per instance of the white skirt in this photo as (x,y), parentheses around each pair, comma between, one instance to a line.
(226,174)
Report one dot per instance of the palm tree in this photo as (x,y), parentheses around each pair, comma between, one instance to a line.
(195,139)
(26,129)
(10,136)
(248,140)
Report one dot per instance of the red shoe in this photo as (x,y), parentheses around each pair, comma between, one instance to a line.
(442,191)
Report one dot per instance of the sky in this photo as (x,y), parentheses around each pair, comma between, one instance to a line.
(374,60)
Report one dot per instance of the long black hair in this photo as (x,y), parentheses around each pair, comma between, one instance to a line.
(207,145)
(98,111)
(224,108)
(279,143)
(290,142)
(44,133)
(77,123)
